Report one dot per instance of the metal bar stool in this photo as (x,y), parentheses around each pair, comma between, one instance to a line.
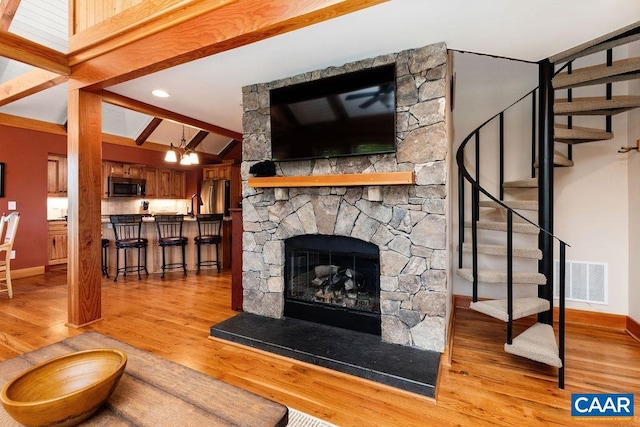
(170,234)
(105,263)
(127,229)
(209,226)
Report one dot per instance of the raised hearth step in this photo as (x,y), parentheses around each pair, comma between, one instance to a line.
(355,353)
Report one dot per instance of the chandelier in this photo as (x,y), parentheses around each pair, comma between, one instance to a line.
(187,155)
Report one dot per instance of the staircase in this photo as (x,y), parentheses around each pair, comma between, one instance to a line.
(521,210)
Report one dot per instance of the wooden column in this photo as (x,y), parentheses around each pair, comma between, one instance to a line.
(84,153)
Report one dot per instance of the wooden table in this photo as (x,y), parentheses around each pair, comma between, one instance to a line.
(157,392)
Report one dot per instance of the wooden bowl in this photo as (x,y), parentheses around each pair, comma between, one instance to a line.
(66,390)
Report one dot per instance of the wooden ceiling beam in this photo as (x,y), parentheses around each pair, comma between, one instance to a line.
(232,25)
(24,50)
(29,83)
(146,133)
(142,107)
(8,9)
(197,139)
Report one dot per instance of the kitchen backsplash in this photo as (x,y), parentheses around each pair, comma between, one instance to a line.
(57,207)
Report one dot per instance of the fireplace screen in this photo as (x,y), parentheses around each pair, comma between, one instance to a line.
(339,274)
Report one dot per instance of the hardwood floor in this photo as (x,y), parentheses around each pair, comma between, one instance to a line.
(482,386)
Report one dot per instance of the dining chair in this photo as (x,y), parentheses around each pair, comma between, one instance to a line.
(8,226)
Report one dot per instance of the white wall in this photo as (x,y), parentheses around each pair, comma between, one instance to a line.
(593,210)
(634,199)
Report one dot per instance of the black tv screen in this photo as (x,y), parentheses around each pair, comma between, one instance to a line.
(345,115)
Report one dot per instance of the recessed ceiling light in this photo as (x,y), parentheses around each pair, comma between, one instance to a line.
(161,93)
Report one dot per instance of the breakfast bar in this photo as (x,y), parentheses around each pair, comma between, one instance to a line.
(154,254)
(156,392)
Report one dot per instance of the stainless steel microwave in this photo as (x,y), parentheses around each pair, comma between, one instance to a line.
(126,187)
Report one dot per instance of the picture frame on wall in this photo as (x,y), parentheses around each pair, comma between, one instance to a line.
(1,179)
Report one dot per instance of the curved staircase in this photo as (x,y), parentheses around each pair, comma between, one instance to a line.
(508,209)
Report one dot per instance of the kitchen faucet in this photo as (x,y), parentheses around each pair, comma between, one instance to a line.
(193,212)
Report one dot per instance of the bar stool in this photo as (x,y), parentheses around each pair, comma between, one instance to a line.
(170,234)
(127,229)
(209,226)
(105,263)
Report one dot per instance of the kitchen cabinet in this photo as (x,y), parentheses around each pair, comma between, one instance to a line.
(125,170)
(57,176)
(164,183)
(57,242)
(151,175)
(222,171)
(178,184)
(171,184)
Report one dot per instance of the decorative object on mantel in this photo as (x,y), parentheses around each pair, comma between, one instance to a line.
(263,169)
(187,156)
(338,180)
(65,390)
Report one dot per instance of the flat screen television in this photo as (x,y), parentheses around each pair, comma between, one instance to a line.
(346,115)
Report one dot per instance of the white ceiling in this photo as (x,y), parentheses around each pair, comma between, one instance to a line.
(210,89)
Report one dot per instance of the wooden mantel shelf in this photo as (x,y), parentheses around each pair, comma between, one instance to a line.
(342,180)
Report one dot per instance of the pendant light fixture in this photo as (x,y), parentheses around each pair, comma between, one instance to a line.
(187,156)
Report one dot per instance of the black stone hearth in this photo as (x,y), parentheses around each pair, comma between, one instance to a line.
(355,353)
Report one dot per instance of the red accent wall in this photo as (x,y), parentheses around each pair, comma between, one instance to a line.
(24,153)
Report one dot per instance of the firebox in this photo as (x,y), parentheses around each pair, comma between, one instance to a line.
(333,280)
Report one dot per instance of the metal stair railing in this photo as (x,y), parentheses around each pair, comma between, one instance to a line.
(476,188)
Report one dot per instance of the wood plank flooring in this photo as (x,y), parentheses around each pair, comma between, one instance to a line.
(483,386)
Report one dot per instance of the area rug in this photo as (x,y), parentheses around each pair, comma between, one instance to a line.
(300,419)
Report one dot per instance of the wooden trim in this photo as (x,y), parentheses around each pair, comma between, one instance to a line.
(24,50)
(594,318)
(27,272)
(237,24)
(633,328)
(342,180)
(146,133)
(8,10)
(142,107)
(134,23)
(31,124)
(29,83)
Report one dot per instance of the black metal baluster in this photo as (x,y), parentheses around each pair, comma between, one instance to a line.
(510,276)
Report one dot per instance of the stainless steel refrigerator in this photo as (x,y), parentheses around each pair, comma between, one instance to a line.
(215,195)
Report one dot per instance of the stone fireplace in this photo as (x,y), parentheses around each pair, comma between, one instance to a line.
(406,224)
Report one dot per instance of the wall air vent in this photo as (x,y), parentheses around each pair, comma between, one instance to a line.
(584,281)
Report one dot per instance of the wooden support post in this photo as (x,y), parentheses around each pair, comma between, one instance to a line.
(84,153)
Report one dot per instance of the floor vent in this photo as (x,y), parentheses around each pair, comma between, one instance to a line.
(584,281)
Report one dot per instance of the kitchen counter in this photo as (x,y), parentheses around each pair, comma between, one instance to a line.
(154,252)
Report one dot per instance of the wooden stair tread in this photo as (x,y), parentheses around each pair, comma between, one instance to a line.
(625,69)
(518,227)
(596,105)
(500,276)
(537,343)
(522,183)
(522,307)
(526,205)
(579,135)
(501,250)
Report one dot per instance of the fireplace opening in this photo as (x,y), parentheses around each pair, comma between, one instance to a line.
(333,280)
